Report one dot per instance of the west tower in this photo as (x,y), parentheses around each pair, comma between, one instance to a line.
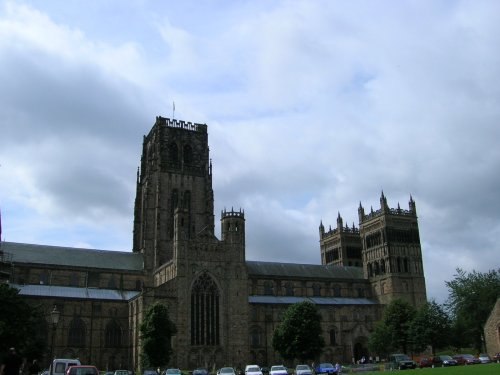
(392,255)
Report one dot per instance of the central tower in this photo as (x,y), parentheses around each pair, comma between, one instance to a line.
(175,175)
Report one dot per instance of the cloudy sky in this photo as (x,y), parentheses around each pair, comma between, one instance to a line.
(312,107)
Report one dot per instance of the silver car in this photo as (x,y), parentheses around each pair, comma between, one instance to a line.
(303,370)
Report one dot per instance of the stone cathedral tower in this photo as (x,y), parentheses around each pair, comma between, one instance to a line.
(392,256)
(201,279)
(175,177)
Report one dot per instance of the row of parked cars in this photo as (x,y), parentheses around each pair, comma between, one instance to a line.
(458,359)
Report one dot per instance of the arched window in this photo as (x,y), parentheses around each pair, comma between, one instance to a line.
(336,291)
(76,334)
(255,337)
(173,153)
(188,154)
(112,283)
(316,290)
(333,336)
(186,200)
(44,278)
(289,289)
(268,288)
(113,334)
(205,312)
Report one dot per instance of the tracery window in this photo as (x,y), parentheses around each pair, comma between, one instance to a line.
(76,334)
(205,321)
(113,334)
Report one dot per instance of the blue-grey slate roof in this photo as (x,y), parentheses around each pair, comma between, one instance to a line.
(72,256)
(272,269)
(74,292)
(288,300)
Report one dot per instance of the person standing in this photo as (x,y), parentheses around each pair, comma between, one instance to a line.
(34,368)
(11,364)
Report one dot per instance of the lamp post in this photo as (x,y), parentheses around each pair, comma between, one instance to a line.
(54,318)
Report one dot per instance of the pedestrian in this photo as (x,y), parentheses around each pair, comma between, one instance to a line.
(34,368)
(338,368)
(11,364)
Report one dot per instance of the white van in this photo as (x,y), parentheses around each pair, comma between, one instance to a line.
(60,365)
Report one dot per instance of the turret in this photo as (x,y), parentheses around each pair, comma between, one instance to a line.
(233,226)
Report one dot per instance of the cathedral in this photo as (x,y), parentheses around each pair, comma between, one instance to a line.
(225,308)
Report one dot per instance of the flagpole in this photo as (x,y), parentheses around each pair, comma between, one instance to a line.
(173,111)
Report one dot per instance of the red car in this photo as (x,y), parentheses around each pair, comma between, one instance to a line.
(425,362)
(466,359)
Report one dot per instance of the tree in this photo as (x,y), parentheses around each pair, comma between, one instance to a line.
(299,335)
(380,340)
(22,325)
(471,299)
(431,326)
(393,331)
(156,332)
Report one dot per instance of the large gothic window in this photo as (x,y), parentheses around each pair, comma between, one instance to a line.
(113,334)
(205,322)
(76,334)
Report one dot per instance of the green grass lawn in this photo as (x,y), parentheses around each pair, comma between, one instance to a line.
(484,369)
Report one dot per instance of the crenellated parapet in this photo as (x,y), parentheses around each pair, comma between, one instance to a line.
(227,214)
(386,210)
(185,125)
(346,229)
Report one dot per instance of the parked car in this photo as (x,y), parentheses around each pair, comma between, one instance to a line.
(145,372)
(425,362)
(303,370)
(444,361)
(226,371)
(200,371)
(325,368)
(484,358)
(252,370)
(82,370)
(466,359)
(173,371)
(278,370)
(401,362)
(60,365)
(121,372)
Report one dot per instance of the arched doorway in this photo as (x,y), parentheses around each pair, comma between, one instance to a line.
(360,349)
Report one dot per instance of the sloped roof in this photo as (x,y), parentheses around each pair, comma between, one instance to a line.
(303,270)
(289,300)
(72,256)
(74,292)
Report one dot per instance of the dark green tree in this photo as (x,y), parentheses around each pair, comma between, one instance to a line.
(156,332)
(299,335)
(22,325)
(471,299)
(392,333)
(431,326)
(380,340)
